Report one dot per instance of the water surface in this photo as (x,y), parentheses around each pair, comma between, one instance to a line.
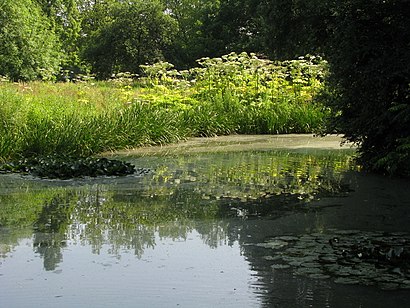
(201,230)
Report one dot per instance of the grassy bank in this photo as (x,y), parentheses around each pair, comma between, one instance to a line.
(232,94)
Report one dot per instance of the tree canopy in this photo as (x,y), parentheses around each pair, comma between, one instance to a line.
(365,41)
(370,83)
(29,48)
(136,33)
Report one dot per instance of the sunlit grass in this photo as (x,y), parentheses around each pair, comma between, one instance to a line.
(233,94)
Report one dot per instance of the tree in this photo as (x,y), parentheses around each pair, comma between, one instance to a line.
(29,48)
(231,27)
(65,17)
(189,43)
(137,33)
(367,44)
(292,28)
(369,55)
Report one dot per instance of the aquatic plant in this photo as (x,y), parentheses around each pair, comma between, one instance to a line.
(176,198)
(64,167)
(347,256)
(238,93)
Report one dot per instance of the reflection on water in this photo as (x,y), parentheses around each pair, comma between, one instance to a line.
(182,194)
(194,224)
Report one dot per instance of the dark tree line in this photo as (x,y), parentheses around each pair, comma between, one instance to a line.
(367,43)
(105,37)
(369,88)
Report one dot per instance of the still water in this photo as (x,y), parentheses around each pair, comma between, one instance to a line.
(249,227)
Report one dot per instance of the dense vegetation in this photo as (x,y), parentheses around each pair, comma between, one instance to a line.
(232,94)
(370,86)
(365,41)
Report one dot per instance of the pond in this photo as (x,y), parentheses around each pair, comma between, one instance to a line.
(244,221)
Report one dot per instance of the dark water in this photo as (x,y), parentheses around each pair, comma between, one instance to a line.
(196,233)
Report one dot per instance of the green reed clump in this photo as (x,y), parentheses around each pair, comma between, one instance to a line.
(40,124)
(237,93)
(263,96)
(240,93)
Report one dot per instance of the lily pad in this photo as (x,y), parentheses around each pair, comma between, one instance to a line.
(350,256)
(346,280)
(287,238)
(274,244)
(280,266)
(273,258)
(295,263)
(319,276)
(309,270)
(64,167)
(310,264)
(388,286)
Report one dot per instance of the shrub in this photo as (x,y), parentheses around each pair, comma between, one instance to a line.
(232,94)
(370,81)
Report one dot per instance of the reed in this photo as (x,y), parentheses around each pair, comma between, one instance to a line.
(232,94)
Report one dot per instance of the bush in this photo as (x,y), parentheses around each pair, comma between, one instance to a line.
(232,94)
(29,48)
(370,81)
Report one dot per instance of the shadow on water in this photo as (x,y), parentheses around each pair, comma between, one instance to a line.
(304,226)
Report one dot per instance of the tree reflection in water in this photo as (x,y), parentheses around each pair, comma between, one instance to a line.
(212,194)
(50,229)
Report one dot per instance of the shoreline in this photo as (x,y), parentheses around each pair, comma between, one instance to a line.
(240,143)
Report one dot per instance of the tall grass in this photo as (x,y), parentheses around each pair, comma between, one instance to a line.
(36,128)
(232,94)
(262,96)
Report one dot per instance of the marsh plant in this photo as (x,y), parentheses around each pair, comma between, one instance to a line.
(237,93)
(241,93)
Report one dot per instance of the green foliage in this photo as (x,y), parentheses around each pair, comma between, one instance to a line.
(65,167)
(45,119)
(65,17)
(232,94)
(137,33)
(232,26)
(370,85)
(287,29)
(365,42)
(240,93)
(243,94)
(191,40)
(29,49)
